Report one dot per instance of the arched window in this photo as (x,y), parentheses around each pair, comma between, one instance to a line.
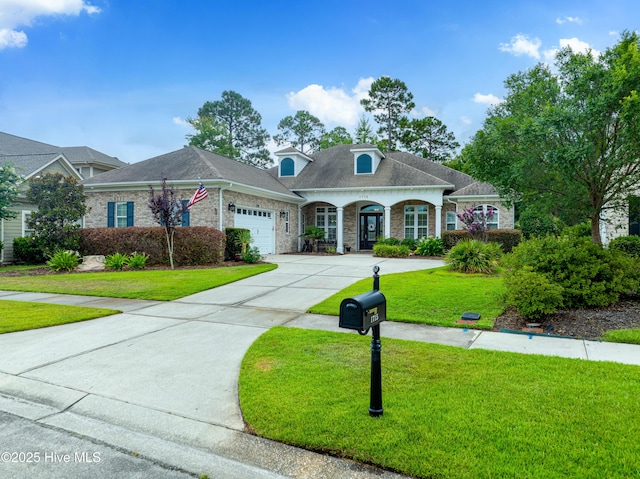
(489,213)
(287,167)
(364,164)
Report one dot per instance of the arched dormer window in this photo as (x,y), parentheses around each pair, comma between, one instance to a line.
(287,167)
(364,164)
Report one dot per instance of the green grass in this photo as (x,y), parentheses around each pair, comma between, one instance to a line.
(21,316)
(631,336)
(435,296)
(448,412)
(161,285)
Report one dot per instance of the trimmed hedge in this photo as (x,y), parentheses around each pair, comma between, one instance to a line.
(390,251)
(195,245)
(506,238)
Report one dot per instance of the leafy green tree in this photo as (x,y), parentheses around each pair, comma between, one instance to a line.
(338,136)
(212,136)
(303,131)
(389,101)
(60,202)
(428,137)
(364,133)
(167,210)
(567,140)
(9,182)
(231,126)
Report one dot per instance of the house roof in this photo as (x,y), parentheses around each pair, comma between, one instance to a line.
(31,156)
(475,189)
(191,164)
(79,155)
(334,168)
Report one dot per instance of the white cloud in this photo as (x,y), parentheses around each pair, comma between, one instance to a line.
(466,120)
(577,20)
(576,45)
(522,45)
(12,39)
(428,111)
(179,121)
(331,105)
(489,99)
(17,13)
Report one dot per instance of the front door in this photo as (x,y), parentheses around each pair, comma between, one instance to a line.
(370,229)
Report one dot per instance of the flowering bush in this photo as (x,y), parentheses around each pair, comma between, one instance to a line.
(475,222)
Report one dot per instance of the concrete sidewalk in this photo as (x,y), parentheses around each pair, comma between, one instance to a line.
(160,379)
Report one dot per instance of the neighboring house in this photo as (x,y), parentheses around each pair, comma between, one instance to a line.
(354,192)
(31,159)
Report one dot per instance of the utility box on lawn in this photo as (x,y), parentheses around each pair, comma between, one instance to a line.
(363,311)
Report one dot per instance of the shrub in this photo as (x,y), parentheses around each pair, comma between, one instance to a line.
(429,247)
(136,260)
(233,243)
(628,244)
(473,256)
(588,274)
(194,245)
(410,243)
(64,260)
(506,238)
(27,251)
(252,255)
(388,241)
(534,223)
(115,261)
(531,293)
(582,230)
(390,251)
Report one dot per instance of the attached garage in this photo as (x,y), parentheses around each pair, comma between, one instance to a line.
(261,223)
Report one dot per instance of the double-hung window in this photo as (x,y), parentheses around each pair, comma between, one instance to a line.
(327,219)
(416,221)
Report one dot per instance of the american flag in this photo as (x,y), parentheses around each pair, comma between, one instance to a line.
(199,195)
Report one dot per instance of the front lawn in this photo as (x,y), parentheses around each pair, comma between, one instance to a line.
(21,316)
(434,296)
(448,412)
(160,285)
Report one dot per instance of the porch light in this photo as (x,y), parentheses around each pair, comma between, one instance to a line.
(232,207)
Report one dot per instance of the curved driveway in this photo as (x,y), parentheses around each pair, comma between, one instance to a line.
(160,379)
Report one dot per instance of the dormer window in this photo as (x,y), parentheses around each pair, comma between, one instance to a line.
(291,162)
(287,167)
(366,159)
(364,164)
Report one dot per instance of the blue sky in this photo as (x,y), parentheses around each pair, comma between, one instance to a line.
(121,76)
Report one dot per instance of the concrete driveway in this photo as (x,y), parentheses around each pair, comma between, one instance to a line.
(160,379)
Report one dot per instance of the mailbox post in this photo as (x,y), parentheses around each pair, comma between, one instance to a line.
(363,312)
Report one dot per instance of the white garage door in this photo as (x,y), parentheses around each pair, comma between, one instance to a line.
(261,225)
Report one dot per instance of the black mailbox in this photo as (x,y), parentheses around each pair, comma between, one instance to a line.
(363,311)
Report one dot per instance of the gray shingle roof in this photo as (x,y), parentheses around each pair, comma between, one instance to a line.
(31,156)
(78,155)
(333,168)
(191,164)
(475,189)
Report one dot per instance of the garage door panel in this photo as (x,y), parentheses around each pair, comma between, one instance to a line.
(261,225)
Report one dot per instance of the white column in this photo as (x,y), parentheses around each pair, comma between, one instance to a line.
(438,221)
(387,221)
(339,241)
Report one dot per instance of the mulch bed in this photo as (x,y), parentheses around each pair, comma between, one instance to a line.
(587,323)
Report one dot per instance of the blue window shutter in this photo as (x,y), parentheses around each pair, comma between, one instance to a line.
(111,209)
(129,213)
(185,217)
